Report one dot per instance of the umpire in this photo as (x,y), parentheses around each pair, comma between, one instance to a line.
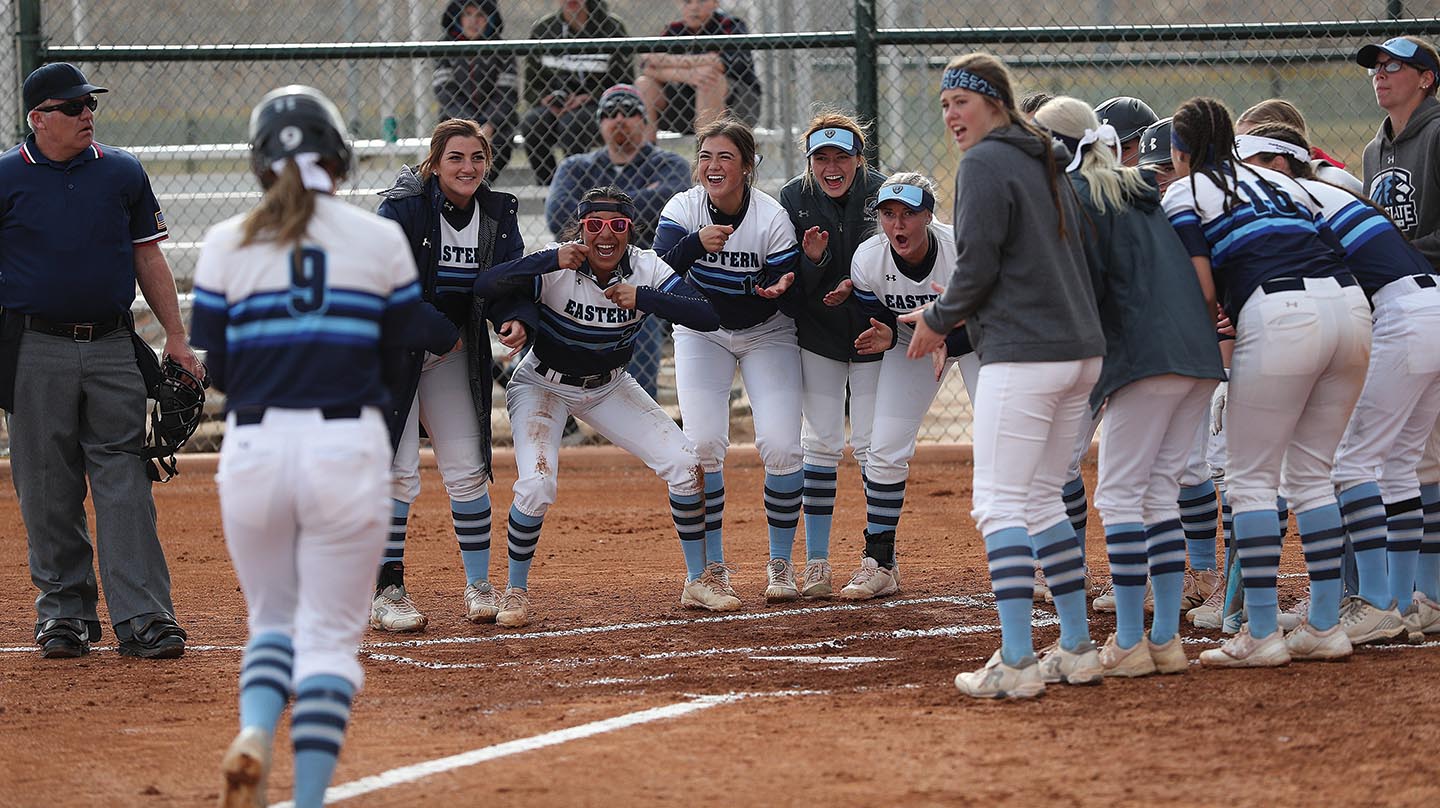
(79,226)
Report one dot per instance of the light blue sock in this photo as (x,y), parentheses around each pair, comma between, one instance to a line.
(1257,543)
(1125,545)
(819,505)
(317,729)
(1012,579)
(395,539)
(523,535)
(782,511)
(1405,527)
(714,517)
(1198,511)
(688,511)
(1363,515)
(1427,568)
(883,505)
(1058,552)
(1322,537)
(265,680)
(1165,556)
(1077,509)
(472,530)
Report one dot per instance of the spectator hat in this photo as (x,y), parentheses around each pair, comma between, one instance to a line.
(622,99)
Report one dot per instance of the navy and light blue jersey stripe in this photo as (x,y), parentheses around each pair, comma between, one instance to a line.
(1375,249)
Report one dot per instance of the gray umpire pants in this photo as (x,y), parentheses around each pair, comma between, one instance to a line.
(80,412)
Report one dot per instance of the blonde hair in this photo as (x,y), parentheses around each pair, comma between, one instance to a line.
(1111,184)
(284,211)
(914,178)
(1273,110)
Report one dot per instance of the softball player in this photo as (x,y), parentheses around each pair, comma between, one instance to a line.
(594,295)
(295,302)
(1021,286)
(739,248)
(1302,342)
(893,273)
(1375,464)
(829,206)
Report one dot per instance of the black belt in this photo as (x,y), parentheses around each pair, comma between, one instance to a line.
(585,382)
(253,417)
(1298,284)
(1424,281)
(80,332)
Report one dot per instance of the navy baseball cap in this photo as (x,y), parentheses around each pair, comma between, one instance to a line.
(838,137)
(1401,49)
(60,80)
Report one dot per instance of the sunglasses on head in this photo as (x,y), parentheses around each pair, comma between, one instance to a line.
(72,108)
(617,226)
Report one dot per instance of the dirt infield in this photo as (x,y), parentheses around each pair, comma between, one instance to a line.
(618,696)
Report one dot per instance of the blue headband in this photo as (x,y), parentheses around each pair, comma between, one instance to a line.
(1177,142)
(956,78)
(911,196)
(842,139)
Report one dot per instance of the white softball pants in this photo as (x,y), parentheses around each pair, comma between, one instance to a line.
(769,361)
(1027,416)
(822,433)
(303,501)
(444,404)
(1150,430)
(1298,367)
(1400,402)
(907,387)
(1083,439)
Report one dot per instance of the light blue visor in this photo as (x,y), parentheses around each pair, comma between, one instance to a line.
(911,196)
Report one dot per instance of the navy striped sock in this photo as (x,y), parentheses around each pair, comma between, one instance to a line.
(1198,512)
(1058,552)
(1282,512)
(395,540)
(1427,569)
(688,511)
(714,517)
(819,502)
(1363,514)
(317,730)
(472,530)
(1322,537)
(782,511)
(1405,529)
(1077,508)
(265,680)
(1257,544)
(883,504)
(1125,546)
(1012,579)
(523,535)
(1165,556)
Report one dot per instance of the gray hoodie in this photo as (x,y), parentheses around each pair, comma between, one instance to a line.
(1025,295)
(1402,175)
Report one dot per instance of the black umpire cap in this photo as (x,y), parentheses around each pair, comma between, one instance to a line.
(60,80)
(1128,115)
(1155,144)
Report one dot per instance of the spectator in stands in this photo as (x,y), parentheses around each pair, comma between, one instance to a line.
(648,174)
(483,89)
(684,92)
(562,89)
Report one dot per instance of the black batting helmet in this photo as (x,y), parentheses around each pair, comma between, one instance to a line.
(1155,144)
(1128,115)
(295,120)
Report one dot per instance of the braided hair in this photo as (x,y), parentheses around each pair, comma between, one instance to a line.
(1203,126)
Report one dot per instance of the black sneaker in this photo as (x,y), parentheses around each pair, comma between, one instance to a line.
(63,638)
(152,636)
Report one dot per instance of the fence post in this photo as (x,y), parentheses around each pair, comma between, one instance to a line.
(867,70)
(30,42)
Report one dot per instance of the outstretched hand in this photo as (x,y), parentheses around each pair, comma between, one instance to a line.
(875,339)
(815,243)
(840,293)
(772,292)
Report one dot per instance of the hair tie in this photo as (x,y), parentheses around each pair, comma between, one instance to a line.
(956,78)
(313,176)
(1105,134)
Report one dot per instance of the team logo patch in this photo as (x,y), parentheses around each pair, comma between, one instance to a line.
(829,133)
(1393,190)
(159,220)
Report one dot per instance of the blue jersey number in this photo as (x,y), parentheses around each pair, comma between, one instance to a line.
(1270,201)
(307,282)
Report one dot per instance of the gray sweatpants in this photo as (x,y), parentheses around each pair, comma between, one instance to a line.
(80,411)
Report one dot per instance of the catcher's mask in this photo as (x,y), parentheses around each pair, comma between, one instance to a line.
(179,402)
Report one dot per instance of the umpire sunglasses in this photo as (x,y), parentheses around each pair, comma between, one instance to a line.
(73,108)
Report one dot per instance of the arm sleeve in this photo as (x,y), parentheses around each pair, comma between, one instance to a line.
(408,321)
(868,301)
(1180,208)
(211,314)
(981,218)
(147,222)
(678,302)
(515,277)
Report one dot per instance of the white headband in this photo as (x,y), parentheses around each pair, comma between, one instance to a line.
(314,176)
(1251,145)
(1105,134)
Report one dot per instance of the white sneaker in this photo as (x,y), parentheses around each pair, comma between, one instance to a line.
(1198,587)
(1426,614)
(872,581)
(1126,662)
(392,610)
(1042,590)
(514,608)
(1364,623)
(1244,651)
(1208,614)
(780,586)
(1079,667)
(1291,618)
(1105,601)
(1169,657)
(996,680)
(246,767)
(480,603)
(815,581)
(706,592)
(1307,643)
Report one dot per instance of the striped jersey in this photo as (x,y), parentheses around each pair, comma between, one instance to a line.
(762,248)
(1375,249)
(457,261)
(300,329)
(1273,231)
(881,279)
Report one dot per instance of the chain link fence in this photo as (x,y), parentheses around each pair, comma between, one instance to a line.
(183,81)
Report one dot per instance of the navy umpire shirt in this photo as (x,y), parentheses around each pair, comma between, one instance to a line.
(68,231)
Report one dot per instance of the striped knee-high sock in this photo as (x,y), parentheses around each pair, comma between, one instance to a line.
(395,539)
(265,680)
(819,505)
(1125,546)
(523,535)
(714,517)
(472,530)
(1198,512)
(1427,568)
(688,511)
(1257,544)
(1282,512)
(782,511)
(883,504)
(1078,509)
(1322,537)
(1165,556)
(1405,529)
(1058,552)
(1012,579)
(317,729)
(1363,514)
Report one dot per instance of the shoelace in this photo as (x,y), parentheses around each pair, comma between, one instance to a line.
(1216,599)
(815,573)
(514,600)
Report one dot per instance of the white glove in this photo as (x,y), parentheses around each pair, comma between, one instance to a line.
(1217,408)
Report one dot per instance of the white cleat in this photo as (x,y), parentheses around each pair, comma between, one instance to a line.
(780,585)
(481,605)
(1169,657)
(392,610)
(1079,667)
(815,581)
(1308,643)
(1244,651)
(1126,662)
(246,767)
(872,581)
(706,592)
(1291,618)
(1364,623)
(996,680)
(514,608)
